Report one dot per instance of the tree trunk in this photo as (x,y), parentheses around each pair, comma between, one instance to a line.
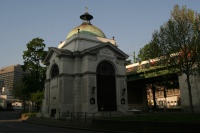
(24,104)
(190,93)
(154,98)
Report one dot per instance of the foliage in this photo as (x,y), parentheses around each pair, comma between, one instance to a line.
(149,51)
(33,57)
(20,93)
(179,42)
(18,90)
(37,98)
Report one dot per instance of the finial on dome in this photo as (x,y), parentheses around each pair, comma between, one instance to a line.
(86,17)
(86,9)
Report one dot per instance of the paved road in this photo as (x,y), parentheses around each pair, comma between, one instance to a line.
(16,126)
(9,115)
(9,123)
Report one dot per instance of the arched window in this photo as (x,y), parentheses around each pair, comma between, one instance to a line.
(54,71)
(105,68)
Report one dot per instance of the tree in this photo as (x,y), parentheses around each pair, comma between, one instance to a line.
(179,42)
(149,51)
(37,98)
(19,92)
(33,57)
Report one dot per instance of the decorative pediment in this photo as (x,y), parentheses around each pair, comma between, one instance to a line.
(59,52)
(106,49)
(106,52)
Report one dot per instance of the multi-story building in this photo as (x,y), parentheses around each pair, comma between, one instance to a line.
(1,84)
(10,75)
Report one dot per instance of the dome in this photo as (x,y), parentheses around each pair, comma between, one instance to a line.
(86,27)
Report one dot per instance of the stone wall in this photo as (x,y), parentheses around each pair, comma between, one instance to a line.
(195,87)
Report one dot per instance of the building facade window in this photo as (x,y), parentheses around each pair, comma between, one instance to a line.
(54,71)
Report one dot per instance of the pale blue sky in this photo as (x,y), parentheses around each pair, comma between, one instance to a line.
(131,22)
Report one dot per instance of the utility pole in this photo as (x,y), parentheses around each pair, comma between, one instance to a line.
(134,57)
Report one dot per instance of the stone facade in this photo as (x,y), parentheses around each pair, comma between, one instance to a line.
(195,87)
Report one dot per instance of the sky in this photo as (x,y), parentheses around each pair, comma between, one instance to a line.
(131,22)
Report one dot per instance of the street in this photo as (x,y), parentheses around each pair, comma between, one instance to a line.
(17,126)
(9,115)
(8,125)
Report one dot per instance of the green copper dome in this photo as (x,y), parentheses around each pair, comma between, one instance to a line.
(86,27)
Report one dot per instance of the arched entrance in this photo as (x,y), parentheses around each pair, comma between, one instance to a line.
(106,87)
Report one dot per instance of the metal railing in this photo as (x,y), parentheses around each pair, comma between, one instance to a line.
(76,116)
(84,116)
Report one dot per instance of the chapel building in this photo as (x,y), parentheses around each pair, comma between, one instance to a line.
(85,73)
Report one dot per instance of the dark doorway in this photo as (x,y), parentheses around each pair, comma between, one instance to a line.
(106,87)
(53,112)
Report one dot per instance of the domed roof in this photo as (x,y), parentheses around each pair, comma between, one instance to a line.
(86,27)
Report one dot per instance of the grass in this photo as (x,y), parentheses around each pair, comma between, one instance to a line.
(173,117)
